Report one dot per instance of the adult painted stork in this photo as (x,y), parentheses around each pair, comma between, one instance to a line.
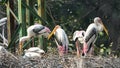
(78,37)
(32,31)
(61,39)
(91,35)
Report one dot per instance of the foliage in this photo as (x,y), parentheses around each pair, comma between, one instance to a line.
(78,14)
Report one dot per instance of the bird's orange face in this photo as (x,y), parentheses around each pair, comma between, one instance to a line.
(54,30)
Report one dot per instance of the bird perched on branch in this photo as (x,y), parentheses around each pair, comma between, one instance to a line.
(78,37)
(61,39)
(91,35)
(32,31)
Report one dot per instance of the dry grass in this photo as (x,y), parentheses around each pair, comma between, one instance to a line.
(51,60)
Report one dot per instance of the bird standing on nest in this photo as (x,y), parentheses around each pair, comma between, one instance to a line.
(78,38)
(91,35)
(61,39)
(32,31)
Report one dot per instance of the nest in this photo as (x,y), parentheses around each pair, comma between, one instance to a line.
(50,60)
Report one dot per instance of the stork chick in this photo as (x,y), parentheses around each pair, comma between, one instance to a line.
(33,52)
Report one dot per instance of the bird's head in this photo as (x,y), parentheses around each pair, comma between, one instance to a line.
(47,30)
(54,30)
(98,20)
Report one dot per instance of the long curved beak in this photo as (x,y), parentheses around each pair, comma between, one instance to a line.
(52,33)
(106,31)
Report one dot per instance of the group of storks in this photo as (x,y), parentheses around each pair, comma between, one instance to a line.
(84,39)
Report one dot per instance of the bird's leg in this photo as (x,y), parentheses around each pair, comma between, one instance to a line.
(91,52)
(61,50)
(20,48)
(77,47)
(85,49)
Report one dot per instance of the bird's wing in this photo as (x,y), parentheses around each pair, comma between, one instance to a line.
(75,35)
(90,36)
(78,34)
(61,37)
(38,28)
(90,32)
(58,38)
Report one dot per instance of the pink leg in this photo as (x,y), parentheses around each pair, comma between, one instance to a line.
(77,47)
(85,48)
(61,50)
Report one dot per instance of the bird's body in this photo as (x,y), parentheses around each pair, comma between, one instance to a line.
(78,37)
(33,52)
(61,40)
(3,21)
(35,30)
(91,35)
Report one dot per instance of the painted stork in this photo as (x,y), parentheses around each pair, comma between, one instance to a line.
(78,37)
(61,39)
(91,35)
(3,21)
(32,31)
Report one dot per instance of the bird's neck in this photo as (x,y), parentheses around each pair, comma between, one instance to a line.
(24,38)
(100,27)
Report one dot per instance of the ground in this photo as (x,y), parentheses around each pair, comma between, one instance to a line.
(52,60)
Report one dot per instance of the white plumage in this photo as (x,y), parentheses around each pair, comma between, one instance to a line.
(35,30)
(33,52)
(91,34)
(78,37)
(32,31)
(61,40)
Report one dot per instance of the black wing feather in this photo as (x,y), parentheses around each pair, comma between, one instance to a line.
(38,29)
(93,32)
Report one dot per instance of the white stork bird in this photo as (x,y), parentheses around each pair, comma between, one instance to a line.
(32,31)
(78,37)
(91,35)
(61,40)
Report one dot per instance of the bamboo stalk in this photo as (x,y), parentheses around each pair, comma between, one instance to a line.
(12,13)
(27,13)
(8,23)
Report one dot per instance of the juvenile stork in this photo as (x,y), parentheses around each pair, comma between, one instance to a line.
(32,31)
(61,40)
(91,35)
(78,37)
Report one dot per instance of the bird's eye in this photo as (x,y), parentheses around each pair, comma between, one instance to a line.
(82,33)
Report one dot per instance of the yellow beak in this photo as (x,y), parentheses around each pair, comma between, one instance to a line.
(106,31)
(52,33)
